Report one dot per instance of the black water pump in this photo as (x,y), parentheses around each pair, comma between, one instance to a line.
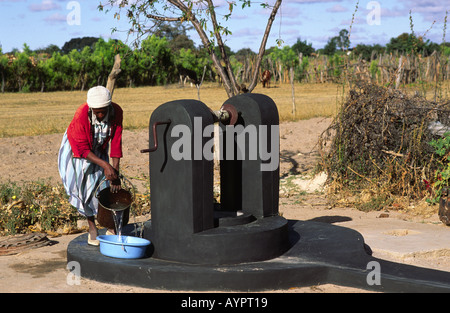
(186,225)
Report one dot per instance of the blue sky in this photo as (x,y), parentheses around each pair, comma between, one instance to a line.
(39,23)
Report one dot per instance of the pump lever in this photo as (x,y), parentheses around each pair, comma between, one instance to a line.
(155,136)
(227,114)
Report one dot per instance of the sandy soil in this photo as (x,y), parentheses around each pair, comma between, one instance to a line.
(29,158)
(44,269)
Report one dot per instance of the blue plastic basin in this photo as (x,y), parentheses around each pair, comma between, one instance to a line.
(128,247)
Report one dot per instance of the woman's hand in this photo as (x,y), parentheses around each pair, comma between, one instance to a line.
(111,172)
(116,185)
(112,175)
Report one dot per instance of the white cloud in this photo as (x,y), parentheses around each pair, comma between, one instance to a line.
(429,10)
(45,5)
(337,8)
(56,18)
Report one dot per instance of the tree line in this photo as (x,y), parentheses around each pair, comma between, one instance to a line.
(406,57)
(160,59)
(154,63)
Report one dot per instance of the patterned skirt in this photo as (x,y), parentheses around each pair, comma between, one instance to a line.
(81,178)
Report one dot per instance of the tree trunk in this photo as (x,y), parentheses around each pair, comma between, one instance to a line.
(262,48)
(291,78)
(114,74)
(227,75)
(399,73)
(83,82)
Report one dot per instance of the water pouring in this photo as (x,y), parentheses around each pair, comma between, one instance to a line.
(113,213)
(114,204)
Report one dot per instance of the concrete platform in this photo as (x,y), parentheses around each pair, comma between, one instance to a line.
(320,253)
(402,239)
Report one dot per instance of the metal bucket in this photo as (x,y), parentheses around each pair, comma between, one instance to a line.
(109,202)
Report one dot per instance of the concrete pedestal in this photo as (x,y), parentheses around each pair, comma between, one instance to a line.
(320,253)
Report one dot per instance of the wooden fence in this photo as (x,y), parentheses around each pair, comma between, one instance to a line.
(382,69)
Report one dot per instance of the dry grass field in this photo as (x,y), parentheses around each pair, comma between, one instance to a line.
(33,114)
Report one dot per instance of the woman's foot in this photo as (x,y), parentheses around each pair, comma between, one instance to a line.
(93,232)
(91,241)
(110,231)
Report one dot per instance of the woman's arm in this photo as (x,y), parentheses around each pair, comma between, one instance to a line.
(110,171)
(115,184)
(116,163)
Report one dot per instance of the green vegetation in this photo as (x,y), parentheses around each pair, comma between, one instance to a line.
(442,173)
(39,206)
(85,62)
(33,206)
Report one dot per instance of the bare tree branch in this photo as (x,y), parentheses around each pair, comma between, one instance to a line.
(164,19)
(186,13)
(114,74)
(221,46)
(204,38)
(262,48)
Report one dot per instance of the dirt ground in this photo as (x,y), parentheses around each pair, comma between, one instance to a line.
(44,269)
(29,158)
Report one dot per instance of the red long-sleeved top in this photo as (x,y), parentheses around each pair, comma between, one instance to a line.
(80,137)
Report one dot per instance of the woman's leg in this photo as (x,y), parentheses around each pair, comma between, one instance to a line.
(93,231)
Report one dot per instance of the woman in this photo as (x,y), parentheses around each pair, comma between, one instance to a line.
(83,160)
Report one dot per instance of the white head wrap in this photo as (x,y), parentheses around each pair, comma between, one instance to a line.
(98,97)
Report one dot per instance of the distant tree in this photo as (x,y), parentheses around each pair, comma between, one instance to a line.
(409,43)
(21,68)
(242,62)
(176,35)
(49,49)
(343,40)
(404,43)
(244,54)
(303,47)
(59,67)
(101,60)
(337,43)
(43,74)
(330,47)
(365,51)
(84,57)
(288,57)
(155,61)
(446,48)
(130,66)
(285,55)
(187,59)
(4,69)
(78,44)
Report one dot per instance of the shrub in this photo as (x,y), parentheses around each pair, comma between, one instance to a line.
(34,205)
